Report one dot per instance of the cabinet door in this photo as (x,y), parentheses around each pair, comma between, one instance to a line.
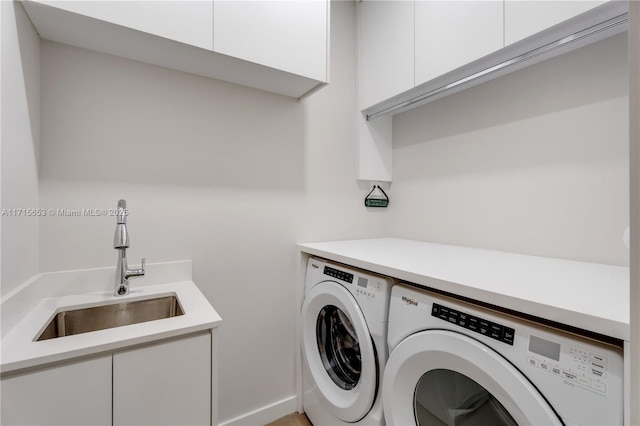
(289,35)
(527,17)
(386,49)
(450,34)
(70,394)
(164,384)
(185,21)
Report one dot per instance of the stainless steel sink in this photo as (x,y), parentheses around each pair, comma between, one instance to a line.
(79,321)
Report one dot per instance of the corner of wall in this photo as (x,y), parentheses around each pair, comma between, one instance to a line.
(20,142)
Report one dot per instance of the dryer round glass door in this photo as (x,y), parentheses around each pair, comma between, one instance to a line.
(338,351)
(440,377)
(450,398)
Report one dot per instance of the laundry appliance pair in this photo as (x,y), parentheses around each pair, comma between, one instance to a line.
(375,353)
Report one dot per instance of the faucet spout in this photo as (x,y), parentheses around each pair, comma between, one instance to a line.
(121,243)
(121,237)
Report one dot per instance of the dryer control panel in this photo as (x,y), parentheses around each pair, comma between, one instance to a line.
(474,323)
(580,377)
(574,365)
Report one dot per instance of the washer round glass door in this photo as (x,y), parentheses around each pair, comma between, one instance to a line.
(339,351)
(339,347)
(440,377)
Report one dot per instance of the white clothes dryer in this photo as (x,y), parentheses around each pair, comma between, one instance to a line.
(344,347)
(455,362)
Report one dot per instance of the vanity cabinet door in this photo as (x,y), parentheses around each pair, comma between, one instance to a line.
(166,383)
(77,393)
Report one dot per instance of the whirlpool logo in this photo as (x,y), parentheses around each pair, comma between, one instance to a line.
(409,301)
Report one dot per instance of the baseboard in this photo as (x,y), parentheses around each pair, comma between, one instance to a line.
(266,414)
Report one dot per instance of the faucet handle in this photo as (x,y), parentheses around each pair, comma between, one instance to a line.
(132,273)
(140,272)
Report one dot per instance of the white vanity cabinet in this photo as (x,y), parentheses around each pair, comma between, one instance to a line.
(77,393)
(450,34)
(166,383)
(279,46)
(527,17)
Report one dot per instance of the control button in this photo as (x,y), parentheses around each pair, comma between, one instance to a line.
(444,313)
(545,366)
(600,387)
(579,355)
(483,326)
(584,381)
(598,358)
(473,324)
(495,334)
(569,375)
(509,334)
(600,365)
(533,362)
(495,331)
(556,371)
(598,373)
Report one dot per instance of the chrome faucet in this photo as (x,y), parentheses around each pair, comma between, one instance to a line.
(121,243)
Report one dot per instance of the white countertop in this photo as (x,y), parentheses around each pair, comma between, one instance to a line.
(590,296)
(20,350)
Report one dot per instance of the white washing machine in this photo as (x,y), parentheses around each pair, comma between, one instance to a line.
(344,346)
(453,362)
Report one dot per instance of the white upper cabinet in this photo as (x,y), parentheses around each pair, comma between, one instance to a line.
(450,34)
(279,46)
(417,51)
(450,45)
(386,49)
(189,22)
(286,35)
(527,17)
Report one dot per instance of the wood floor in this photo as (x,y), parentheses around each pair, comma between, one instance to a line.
(295,419)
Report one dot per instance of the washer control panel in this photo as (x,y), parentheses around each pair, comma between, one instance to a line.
(364,287)
(473,323)
(575,366)
(336,273)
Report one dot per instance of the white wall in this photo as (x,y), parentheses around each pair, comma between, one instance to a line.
(634,148)
(227,176)
(535,162)
(20,117)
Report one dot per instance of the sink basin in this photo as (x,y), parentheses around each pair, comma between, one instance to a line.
(77,321)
